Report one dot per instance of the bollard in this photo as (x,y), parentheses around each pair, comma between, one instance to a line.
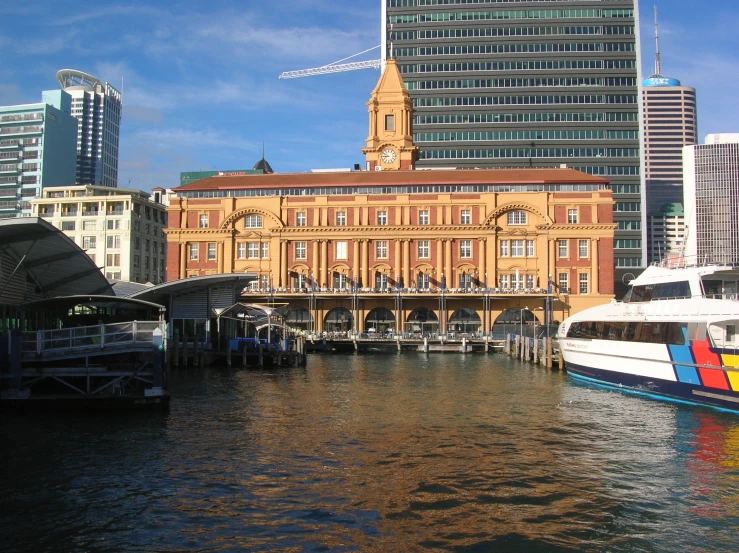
(536,351)
(464,345)
(425,345)
(561,361)
(549,353)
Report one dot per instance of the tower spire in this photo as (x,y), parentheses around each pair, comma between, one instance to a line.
(657,62)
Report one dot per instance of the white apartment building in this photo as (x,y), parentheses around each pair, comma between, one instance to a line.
(120,229)
(97,107)
(711,191)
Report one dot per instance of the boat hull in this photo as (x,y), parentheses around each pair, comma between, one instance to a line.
(657,379)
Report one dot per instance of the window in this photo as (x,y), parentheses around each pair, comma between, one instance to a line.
(517,218)
(381,281)
(465,281)
(262,282)
(529,281)
(252,250)
(253,221)
(341,218)
(465,217)
(423,249)
(504,248)
(584,283)
(241,250)
(204,221)
(563,280)
(423,217)
(193,252)
(572,216)
(67,225)
(390,123)
(300,219)
(583,248)
(529,248)
(340,250)
(562,246)
(340,281)
(211,251)
(88,242)
(299,282)
(113,259)
(114,224)
(300,250)
(265,250)
(517,248)
(382,218)
(381,249)
(504,281)
(89,225)
(465,249)
(517,281)
(114,241)
(422,281)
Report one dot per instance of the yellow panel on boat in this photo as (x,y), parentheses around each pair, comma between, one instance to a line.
(733,380)
(729,360)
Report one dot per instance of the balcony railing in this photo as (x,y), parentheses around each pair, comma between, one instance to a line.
(90,213)
(69,213)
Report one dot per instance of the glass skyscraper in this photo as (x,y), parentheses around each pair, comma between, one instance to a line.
(526,83)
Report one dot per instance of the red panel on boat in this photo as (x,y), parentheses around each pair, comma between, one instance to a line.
(703,355)
(714,378)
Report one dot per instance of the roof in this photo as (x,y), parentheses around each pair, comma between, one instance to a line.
(57,265)
(160,292)
(264,166)
(67,302)
(396,178)
(124,288)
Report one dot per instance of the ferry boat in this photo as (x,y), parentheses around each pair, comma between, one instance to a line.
(673,336)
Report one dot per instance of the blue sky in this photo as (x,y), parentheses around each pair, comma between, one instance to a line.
(200,85)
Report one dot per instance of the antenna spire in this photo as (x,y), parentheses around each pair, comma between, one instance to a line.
(657,62)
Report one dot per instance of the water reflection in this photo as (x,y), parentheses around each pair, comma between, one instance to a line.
(379,453)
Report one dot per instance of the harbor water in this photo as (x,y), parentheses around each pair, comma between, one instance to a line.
(401,452)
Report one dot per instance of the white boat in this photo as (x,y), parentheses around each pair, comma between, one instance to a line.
(673,336)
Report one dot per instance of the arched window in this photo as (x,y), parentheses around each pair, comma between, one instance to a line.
(253,221)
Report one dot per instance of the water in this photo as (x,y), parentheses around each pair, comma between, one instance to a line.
(376,453)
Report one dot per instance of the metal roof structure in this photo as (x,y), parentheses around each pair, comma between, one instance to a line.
(74,78)
(37,261)
(162,292)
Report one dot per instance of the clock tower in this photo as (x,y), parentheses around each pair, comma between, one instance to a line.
(390,142)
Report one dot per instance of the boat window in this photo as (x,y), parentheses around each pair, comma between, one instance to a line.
(661,291)
(653,332)
(712,288)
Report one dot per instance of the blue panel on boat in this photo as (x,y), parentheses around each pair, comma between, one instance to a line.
(682,354)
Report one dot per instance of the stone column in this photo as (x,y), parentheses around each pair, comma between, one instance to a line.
(219,256)
(284,278)
(482,264)
(356,267)
(315,267)
(594,271)
(324,263)
(398,266)
(365,264)
(183,259)
(439,260)
(228,254)
(407,262)
(448,263)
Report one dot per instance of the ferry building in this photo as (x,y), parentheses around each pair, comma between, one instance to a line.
(395,249)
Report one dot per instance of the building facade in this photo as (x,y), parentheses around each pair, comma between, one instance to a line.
(120,230)
(667,233)
(711,190)
(97,107)
(37,150)
(528,84)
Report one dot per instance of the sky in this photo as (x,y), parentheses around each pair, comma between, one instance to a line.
(200,87)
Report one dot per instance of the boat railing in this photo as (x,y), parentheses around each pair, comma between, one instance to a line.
(676,261)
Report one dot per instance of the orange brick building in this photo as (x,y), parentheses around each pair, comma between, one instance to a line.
(393,248)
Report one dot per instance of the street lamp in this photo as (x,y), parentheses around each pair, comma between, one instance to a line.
(535,318)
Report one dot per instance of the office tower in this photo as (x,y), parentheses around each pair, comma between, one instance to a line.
(97,107)
(711,192)
(121,230)
(527,84)
(666,232)
(670,122)
(37,150)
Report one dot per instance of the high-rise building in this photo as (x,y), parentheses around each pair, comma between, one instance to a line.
(666,232)
(37,150)
(507,83)
(97,107)
(121,230)
(670,122)
(711,191)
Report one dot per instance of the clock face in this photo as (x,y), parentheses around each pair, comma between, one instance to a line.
(388,155)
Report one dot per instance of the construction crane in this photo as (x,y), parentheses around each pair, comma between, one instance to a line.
(335,67)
